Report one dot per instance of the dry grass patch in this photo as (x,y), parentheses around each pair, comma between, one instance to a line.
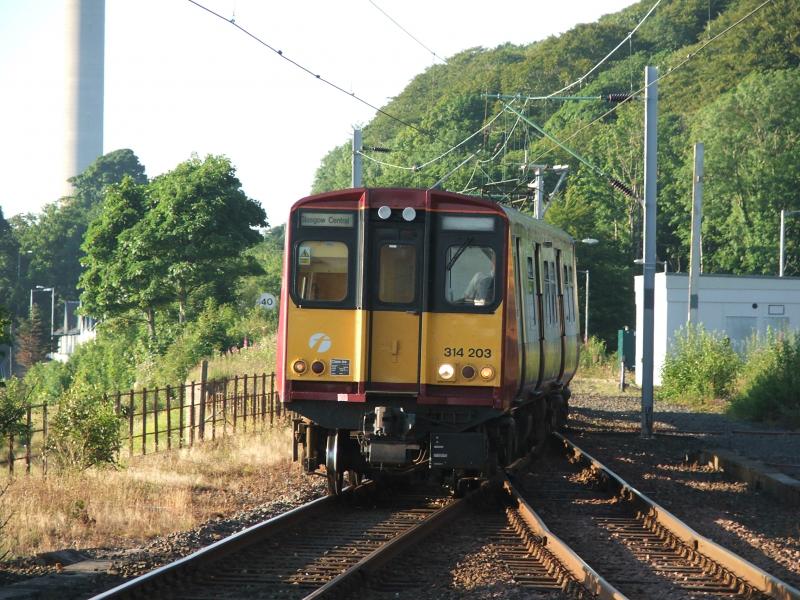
(599,382)
(151,496)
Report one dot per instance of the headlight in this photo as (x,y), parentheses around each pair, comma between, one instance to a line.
(487,373)
(299,367)
(446,371)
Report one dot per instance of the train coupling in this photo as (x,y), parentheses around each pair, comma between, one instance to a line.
(387,436)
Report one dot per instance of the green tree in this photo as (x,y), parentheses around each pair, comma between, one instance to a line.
(751,149)
(123,270)
(52,239)
(200,224)
(176,240)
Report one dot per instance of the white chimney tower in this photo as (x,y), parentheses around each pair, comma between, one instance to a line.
(83,139)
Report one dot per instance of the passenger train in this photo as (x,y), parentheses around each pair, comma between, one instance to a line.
(421,327)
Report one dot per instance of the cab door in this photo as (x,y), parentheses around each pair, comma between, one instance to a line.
(395,292)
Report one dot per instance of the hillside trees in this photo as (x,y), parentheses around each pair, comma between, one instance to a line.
(177,240)
(752,155)
(50,242)
(736,93)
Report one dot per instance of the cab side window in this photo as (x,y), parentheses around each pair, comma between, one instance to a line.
(321,268)
(469,276)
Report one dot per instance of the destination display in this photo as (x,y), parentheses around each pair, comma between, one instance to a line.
(322,219)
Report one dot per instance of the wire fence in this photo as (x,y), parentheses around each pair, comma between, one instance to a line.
(162,418)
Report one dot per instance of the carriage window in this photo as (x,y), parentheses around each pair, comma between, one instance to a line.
(321,271)
(397,273)
(469,275)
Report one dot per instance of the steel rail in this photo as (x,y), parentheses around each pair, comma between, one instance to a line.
(577,567)
(745,570)
(222,548)
(371,564)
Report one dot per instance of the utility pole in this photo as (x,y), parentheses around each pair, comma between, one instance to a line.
(696,245)
(538,204)
(586,311)
(650,165)
(356,179)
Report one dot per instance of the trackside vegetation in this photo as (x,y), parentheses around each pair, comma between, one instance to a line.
(759,382)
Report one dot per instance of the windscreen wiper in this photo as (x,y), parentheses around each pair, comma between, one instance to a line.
(458,253)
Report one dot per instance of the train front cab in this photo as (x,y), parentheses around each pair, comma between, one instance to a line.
(391,340)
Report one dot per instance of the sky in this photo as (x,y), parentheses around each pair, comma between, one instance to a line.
(180,81)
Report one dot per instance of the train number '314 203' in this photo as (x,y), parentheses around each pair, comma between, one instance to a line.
(470,352)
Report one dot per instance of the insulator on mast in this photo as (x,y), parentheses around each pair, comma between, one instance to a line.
(618,185)
(615,97)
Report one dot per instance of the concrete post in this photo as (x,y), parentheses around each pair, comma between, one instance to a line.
(696,245)
(650,165)
(357,167)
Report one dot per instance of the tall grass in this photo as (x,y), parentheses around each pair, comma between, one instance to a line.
(258,357)
(153,496)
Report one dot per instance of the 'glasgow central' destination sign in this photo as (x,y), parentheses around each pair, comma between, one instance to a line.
(319,219)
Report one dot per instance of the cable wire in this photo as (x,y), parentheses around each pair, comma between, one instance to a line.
(388,16)
(669,72)
(310,72)
(441,156)
(607,56)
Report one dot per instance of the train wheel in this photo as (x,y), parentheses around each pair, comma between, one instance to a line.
(334,461)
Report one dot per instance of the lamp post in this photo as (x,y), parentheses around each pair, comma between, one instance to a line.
(782,254)
(588,242)
(19,261)
(52,291)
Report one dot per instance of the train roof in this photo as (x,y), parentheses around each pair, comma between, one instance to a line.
(422,198)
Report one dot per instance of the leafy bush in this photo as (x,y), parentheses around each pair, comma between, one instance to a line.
(108,361)
(701,366)
(46,381)
(213,331)
(85,431)
(13,404)
(768,384)
(595,354)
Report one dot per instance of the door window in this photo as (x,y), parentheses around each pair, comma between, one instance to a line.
(397,273)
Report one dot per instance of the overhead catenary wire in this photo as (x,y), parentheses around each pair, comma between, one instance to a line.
(607,56)
(669,72)
(312,73)
(408,33)
(437,158)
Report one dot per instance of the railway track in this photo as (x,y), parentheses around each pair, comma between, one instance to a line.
(343,547)
(641,549)
(372,545)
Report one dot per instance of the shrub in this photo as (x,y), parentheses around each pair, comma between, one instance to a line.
(85,431)
(767,388)
(594,354)
(212,332)
(701,366)
(13,404)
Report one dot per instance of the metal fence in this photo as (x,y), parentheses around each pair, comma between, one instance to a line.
(163,418)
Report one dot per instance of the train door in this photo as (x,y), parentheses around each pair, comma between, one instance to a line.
(395,251)
(522,311)
(560,312)
(540,305)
